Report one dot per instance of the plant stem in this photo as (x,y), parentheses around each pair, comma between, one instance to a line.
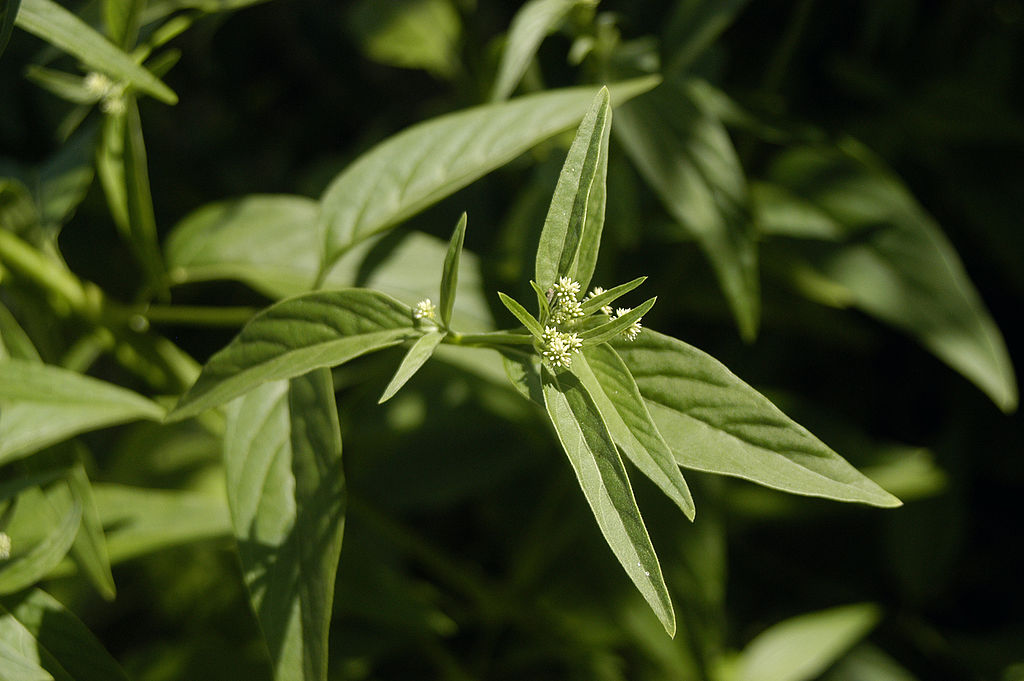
(490,338)
(28,262)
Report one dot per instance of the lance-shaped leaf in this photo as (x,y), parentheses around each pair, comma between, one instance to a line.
(889,259)
(24,570)
(41,404)
(686,156)
(521,313)
(595,303)
(295,336)
(533,21)
(607,379)
(599,470)
(14,342)
(51,637)
(572,229)
(715,422)
(450,272)
(286,490)
(59,27)
(417,356)
(90,547)
(421,165)
(609,330)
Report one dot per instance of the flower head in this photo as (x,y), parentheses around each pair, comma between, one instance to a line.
(559,347)
(567,289)
(424,309)
(633,330)
(97,84)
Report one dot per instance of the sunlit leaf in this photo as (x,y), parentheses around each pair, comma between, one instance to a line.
(687,158)
(59,27)
(599,470)
(15,666)
(450,272)
(534,20)
(42,404)
(615,327)
(423,164)
(417,356)
(414,34)
(715,422)
(522,314)
(293,337)
(286,489)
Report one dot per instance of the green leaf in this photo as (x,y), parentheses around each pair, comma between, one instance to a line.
(523,370)
(423,164)
(684,153)
(894,263)
(67,86)
(450,272)
(14,342)
(599,470)
(286,489)
(417,356)
(42,404)
(141,227)
(604,375)
(612,329)
(59,27)
(714,422)
(122,19)
(110,166)
(520,313)
(51,637)
(64,179)
(801,648)
(17,209)
(293,337)
(8,14)
(694,26)
(14,666)
(572,229)
(411,34)
(90,547)
(24,570)
(592,305)
(534,20)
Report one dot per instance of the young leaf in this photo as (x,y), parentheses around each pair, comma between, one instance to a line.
(286,489)
(533,21)
(22,571)
(892,261)
(592,305)
(715,422)
(423,164)
(90,547)
(417,356)
(450,272)
(607,379)
(571,230)
(41,404)
(141,227)
(801,648)
(609,330)
(685,154)
(59,27)
(543,304)
(293,337)
(599,470)
(520,313)
(8,13)
(55,639)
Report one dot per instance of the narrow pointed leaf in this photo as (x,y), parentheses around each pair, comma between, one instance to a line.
(51,637)
(122,19)
(295,336)
(417,356)
(8,13)
(592,305)
(423,164)
(41,405)
(520,313)
(715,422)
(599,470)
(59,27)
(570,226)
(14,342)
(142,235)
(612,329)
(684,153)
(534,20)
(90,547)
(543,304)
(450,272)
(22,571)
(607,379)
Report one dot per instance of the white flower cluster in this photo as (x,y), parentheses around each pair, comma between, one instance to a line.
(424,309)
(5,546)
(110,94)
(566,304)
(559,347)
(633,330)
(605,309)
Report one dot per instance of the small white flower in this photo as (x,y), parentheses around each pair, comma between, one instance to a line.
(424,309)
(567,289)
(567,310)
(5,546)
(114,106)
(559,347)
(97,84)
(633,330)
(605,309)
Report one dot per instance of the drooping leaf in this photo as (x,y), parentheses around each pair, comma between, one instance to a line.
(25,569)
(90,547)
(892,261)
(423,164)
(715,422)
(41,404)
(293,337)
(450,272)
(604,375)
(572,229)
(534,20)
(685,155)
(417,356)
(8,13)
(801,648)
(59,27)
(286,489)
(51,637)
(599,470)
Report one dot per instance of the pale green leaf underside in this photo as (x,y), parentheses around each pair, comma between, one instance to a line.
(295,336)
(421,165)
(286,492)
(14,666)
(599,470)
(42,404)
(801,648)
(417,356)
(531,24)
(51,637)
(59,27)
(715,422)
